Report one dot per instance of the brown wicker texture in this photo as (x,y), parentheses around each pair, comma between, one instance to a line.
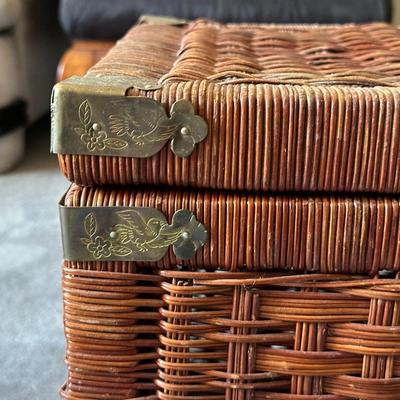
(229,335)
(325,234)
(288,107)
(247,336)
(111,326)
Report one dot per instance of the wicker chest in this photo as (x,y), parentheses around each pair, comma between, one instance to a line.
(233,226)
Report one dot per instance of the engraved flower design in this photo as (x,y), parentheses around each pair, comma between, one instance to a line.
(193,236)
(99,247)
(193,129)
(94,138)
(91,133)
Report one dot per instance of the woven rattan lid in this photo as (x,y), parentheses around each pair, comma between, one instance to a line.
(358,55)
(287,107)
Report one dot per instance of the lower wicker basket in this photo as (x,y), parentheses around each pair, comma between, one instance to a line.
(328,234)
(182,335)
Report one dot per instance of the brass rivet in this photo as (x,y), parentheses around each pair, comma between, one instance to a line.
(186,235)
(184,130)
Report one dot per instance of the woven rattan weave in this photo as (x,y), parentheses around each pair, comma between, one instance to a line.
(229,335)
(287,107)
(325,234)
(111,326)
(284,296)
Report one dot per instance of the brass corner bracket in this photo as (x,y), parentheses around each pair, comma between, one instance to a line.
(161,20)
(93,116)
(128,234)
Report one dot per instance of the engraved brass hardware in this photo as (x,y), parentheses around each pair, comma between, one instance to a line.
(93,115)
(161,20)
(128,234)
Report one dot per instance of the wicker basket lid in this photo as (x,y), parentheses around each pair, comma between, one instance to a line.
(286,107)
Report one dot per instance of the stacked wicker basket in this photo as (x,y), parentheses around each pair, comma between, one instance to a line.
(255,256)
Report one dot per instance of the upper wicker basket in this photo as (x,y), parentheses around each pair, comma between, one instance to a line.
(286,108)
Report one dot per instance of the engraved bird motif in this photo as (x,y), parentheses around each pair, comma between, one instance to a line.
(144,235)
(144,122)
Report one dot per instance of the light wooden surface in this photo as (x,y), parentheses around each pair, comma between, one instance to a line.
(80,57)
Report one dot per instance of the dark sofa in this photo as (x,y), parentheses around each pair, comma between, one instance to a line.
(102,19)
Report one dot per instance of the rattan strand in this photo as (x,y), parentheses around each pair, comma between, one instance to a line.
(279,337)
(327,234)
(288,108)
(111,326)
(229,335)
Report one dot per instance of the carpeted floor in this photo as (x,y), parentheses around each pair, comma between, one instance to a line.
(31,335)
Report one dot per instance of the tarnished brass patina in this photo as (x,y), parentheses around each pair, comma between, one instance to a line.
(128,234)
(93,115)
(161,20)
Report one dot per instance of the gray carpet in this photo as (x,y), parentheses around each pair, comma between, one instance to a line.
(31,335)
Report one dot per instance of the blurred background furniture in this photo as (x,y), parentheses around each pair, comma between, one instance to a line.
(31,43)
(95,19)
(40,43)
(93,25)
(81,56)
(12,108)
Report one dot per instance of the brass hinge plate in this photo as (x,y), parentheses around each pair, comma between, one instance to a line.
(128,234)
(161,20)
(93,116)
